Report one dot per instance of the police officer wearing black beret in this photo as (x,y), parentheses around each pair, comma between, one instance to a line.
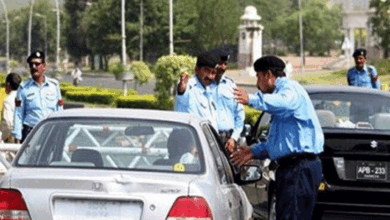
(295,138)
(362,75)
(36,98)
(194,94)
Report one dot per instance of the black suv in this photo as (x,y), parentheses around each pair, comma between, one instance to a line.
(356,157)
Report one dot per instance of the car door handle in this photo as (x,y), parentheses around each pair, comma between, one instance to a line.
(230,204)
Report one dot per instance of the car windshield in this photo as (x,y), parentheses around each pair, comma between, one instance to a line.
(114,144)
(352,110)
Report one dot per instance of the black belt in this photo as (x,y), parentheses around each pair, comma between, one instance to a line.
(296,157)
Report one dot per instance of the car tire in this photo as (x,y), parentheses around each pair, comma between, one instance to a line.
(272,207)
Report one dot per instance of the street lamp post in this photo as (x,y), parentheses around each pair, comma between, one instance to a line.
(141,24)
(58,36)
(45,20)
(7,24)
(29,28)
(123,34)
(170,27)
(301,35)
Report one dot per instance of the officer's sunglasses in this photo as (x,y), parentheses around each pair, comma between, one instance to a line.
(35,63)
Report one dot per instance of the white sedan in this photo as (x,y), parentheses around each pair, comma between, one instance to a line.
(124,164)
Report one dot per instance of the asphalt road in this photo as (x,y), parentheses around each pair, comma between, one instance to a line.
(110,82)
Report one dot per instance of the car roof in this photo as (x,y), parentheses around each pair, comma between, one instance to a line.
(344,89)
(171,116)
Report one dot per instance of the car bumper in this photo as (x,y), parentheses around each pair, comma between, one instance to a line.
(367,203)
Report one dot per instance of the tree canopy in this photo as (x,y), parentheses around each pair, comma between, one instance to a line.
(93,27)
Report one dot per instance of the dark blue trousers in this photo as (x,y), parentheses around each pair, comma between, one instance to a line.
(296,189)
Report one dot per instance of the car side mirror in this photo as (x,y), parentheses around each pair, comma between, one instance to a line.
(246,131)
(250,174)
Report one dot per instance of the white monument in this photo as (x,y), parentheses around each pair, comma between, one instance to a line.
(250,40)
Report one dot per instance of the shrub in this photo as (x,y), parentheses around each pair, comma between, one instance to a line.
(95,97)
(117,69)
(141,72)
(251,115)
(136,101)
(167,73)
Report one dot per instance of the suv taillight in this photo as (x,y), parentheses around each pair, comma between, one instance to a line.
(12,206)
(194,208)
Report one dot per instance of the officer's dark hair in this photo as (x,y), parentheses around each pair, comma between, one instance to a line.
(13,80)
(272,63)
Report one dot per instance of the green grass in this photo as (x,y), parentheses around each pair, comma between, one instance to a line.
(326,77)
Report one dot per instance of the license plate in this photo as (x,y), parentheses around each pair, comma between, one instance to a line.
(371,170)
(83,209)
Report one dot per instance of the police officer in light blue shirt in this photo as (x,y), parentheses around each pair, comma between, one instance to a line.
(230,114)
(295,138)
(196,96)
(36,98)
(362,75)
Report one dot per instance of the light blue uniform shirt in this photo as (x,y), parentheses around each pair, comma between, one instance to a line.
(363,77)
(294,127)
(37,102)
(197,100)
(230,114)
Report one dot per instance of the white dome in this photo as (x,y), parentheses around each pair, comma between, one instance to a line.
(250,14)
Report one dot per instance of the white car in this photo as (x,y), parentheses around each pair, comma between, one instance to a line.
(124,164)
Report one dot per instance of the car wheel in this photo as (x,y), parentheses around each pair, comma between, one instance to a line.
(272,207)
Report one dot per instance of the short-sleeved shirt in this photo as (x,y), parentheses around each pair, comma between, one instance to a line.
(34,103)
(230,114)
(197,100)
(367,77)
(294,126)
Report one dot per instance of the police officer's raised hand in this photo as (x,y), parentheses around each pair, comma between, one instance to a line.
(242,156)
(181,88)
(230,145)
(241,96)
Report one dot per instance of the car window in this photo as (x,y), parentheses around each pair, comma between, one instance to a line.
(352,111)
(223,166)
(114,144)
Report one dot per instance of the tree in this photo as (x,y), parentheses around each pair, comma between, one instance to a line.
(76,39)
(381,23)
(321,27)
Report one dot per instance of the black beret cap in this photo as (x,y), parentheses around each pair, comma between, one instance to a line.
(359,52)
(224,55)
(207,59)
(269,62)
(36,54)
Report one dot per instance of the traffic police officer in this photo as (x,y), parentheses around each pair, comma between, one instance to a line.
(295,138)
(230,114)
(361,74)
(194,95)
(36,98)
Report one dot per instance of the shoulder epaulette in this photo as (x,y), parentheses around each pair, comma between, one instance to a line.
(25,83)
(54,81)
(229,79)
